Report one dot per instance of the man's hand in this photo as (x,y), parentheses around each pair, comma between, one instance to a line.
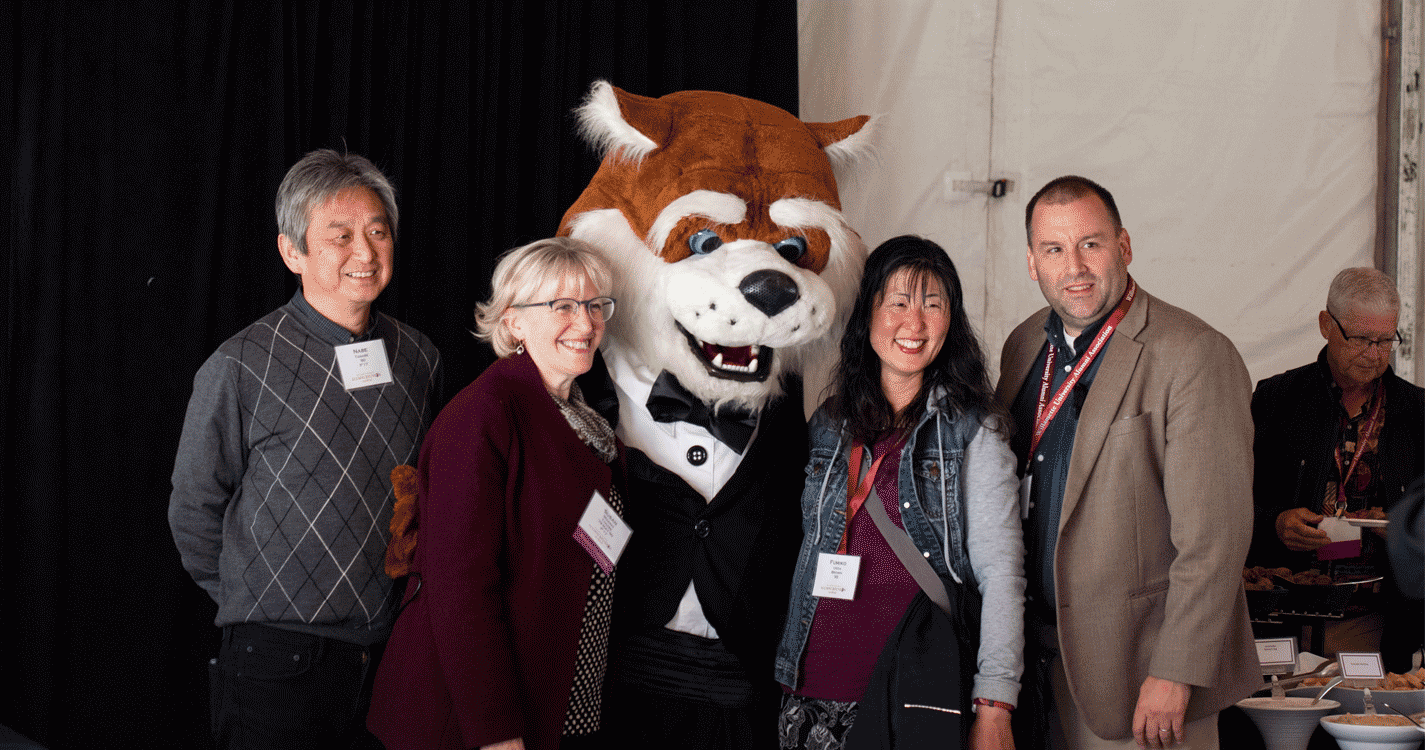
(514,744)
(1296,528)
(1158,719)
(990,730)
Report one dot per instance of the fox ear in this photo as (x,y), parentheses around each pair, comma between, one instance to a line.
(625,125)
(846,141)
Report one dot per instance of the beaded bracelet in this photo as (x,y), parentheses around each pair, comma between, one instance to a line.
(996,704)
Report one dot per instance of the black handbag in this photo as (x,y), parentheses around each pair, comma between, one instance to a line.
(920,689)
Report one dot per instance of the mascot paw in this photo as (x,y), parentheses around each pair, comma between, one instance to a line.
(405,483)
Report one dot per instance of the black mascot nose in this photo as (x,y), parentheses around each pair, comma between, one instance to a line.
(769,291)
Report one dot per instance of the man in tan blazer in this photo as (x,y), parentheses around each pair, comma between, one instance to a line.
(1138,499)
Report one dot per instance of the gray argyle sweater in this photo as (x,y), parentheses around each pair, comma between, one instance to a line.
(281,489)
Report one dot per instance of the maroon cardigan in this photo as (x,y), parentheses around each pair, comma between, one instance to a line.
(485,650)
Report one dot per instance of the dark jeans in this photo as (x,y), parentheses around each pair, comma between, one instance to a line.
(274,689)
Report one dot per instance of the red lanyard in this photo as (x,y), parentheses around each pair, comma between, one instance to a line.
(856,493)
(1362,437)
(1047,408)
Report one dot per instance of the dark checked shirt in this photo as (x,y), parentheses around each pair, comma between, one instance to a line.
(1050,463)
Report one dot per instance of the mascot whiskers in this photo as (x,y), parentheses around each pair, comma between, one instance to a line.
(734,269)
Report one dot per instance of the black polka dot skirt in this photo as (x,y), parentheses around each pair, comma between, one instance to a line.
(592,659)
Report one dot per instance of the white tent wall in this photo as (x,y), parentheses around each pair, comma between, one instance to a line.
(1410,249)
(1238,138)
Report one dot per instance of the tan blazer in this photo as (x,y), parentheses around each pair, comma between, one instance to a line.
(1157,516)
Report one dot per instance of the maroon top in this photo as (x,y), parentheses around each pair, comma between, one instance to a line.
(485,651)
(847,636)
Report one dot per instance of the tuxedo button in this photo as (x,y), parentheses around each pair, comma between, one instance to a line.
(697,455)
(701,528)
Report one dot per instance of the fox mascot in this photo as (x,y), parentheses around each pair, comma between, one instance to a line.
(733,269)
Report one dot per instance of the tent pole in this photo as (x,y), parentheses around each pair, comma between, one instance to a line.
(1402,36)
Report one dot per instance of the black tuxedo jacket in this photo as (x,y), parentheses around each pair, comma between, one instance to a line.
(739,549)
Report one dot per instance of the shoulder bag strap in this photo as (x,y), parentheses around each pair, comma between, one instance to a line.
(910,557)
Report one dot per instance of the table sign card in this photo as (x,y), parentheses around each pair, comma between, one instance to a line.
(1277,655)
(1361,669)
(1345,539)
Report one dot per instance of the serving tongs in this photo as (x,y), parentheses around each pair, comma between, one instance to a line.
(1280,686)
(1333,683)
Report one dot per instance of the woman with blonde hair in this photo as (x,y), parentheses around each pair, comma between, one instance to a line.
(503,640)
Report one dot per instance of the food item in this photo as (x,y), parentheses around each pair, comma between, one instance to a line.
(1259,583)
(1375,513)
(1379,720)
(1260,578)
(1408,681)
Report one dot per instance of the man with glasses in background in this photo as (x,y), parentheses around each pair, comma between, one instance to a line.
(1342,438)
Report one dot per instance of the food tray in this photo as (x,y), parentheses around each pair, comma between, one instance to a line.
(1316,601)
(1262,604)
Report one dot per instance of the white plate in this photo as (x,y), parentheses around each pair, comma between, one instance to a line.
(1370,523)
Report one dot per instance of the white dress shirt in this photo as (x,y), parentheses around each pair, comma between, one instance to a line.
(673,446)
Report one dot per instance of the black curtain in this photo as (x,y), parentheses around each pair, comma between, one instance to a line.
(145,143)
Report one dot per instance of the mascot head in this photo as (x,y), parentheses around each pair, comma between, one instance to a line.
(720,217)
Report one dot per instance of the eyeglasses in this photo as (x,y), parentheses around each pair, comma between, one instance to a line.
(600,308)
(1365,342)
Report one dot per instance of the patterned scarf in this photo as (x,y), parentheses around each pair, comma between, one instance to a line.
(591,428)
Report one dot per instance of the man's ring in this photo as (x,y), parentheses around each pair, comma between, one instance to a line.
(1162,731)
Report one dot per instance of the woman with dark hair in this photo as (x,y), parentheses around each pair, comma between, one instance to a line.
(908,424)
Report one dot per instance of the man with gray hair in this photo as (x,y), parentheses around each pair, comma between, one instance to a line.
(281,489)
(1342,436)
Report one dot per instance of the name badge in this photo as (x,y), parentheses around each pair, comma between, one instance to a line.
(1026,485)
(363,364)
(602,533)
(836,575)
(1345,539)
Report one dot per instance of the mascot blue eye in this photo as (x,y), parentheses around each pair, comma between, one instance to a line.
(704,241)
(792,248)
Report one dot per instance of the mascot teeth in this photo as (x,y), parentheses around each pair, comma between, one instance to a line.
(721,364)
(750,363)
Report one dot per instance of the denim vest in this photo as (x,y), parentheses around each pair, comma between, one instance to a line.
(932,505)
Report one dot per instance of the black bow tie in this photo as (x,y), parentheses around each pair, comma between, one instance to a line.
(669,401)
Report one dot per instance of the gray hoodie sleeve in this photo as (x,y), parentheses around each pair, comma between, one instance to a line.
(996,547)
